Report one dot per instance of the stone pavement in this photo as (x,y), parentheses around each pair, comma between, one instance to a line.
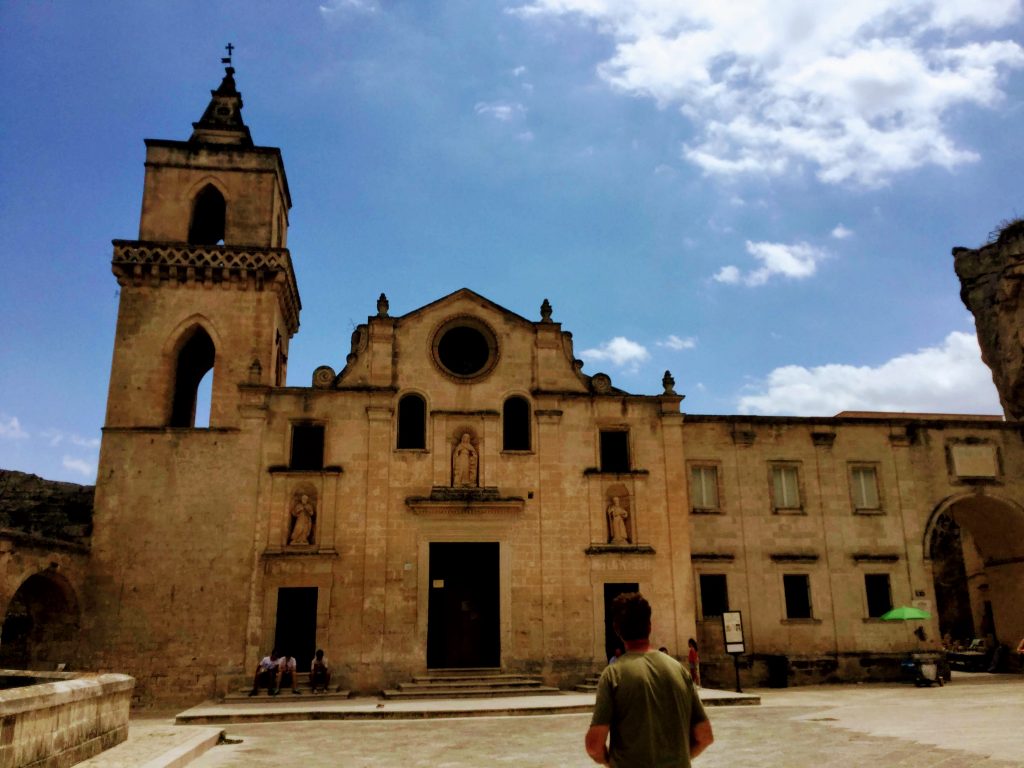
(973,723)
(281,708)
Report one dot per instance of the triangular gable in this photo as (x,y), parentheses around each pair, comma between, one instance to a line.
(466,293)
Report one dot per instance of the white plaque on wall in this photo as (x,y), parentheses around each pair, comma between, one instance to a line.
(974,460)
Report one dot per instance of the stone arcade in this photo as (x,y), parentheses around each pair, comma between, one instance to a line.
(461,494)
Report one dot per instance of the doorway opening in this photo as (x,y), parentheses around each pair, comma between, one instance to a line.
(611,591)
(295,633)
(41,625)
(464,608)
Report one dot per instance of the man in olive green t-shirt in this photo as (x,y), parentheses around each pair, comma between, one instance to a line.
(646,701)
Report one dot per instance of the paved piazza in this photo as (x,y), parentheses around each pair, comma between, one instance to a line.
(976,721)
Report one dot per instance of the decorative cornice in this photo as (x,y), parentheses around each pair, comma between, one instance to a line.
(712,557)
(139,261)
(619,549)
(465,502)
(871,557)
(794,557)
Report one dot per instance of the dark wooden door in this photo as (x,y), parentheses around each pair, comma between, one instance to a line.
(463,622)
(295,633)
(611,591)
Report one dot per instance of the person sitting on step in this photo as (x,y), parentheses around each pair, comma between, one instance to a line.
(266,674)
(319,673)
(288,673)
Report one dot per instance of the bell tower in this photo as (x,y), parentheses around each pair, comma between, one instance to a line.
(208,284)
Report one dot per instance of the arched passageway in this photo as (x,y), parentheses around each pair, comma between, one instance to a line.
(40,628)
(976,547)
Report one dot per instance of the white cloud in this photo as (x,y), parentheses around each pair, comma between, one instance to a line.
(10,428)
(525,136)
(949,378)
(796,261)
(356,6)
(728,274)
(620,352)
(81,466)
(519,71)
(500,110)
(841,233)
(857,91)
(55,437)
(677,343)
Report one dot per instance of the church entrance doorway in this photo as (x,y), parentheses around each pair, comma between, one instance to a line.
(295,633)
(463,613)
(611,591)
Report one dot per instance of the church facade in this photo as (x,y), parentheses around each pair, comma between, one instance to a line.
(460,494)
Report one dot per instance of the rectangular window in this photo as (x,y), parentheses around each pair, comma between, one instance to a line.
(864,486)
(797,587)
(785,487)
(704,489)
(714,597)
(307,446)
(614,451)
(879,593)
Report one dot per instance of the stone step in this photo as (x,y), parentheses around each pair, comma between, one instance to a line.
(455,682)
(468,693)
(242,694)
(589,684)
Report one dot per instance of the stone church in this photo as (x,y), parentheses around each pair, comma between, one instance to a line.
(458,493)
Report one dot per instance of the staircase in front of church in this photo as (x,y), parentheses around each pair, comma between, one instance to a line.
(469,684)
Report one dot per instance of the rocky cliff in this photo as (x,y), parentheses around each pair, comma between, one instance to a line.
(992,287)
(30,504)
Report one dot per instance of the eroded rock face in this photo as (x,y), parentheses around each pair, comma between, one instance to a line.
(992,287)
(48,508)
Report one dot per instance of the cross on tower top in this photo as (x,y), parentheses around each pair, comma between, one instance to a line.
(227,59)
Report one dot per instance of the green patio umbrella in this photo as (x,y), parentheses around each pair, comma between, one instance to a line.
(905,613)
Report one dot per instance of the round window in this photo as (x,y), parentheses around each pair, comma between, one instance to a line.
(465,347)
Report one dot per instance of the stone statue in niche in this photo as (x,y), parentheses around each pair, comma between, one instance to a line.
(464,464)
(303,518)
(618,522)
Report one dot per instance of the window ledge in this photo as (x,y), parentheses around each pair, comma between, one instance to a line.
(599,471)
(411,450)
(517,452)
(800,621)
(868,512)
(706,511)
(789,511)
(280,469)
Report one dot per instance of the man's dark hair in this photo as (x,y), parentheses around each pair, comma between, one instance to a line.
(631,616)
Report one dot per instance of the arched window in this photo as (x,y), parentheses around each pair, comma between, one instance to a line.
(195,360)
(208,214)
(515,424)
(412,422)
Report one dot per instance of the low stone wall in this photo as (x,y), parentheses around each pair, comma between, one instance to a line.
(63,718)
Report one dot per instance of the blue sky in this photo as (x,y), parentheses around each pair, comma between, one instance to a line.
(759,196)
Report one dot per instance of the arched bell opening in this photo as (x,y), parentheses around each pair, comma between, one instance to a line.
(209,214)
(193,380)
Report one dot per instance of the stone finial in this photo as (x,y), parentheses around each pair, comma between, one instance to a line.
(255,371)
(382,306)
(545,311)
(668,383)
